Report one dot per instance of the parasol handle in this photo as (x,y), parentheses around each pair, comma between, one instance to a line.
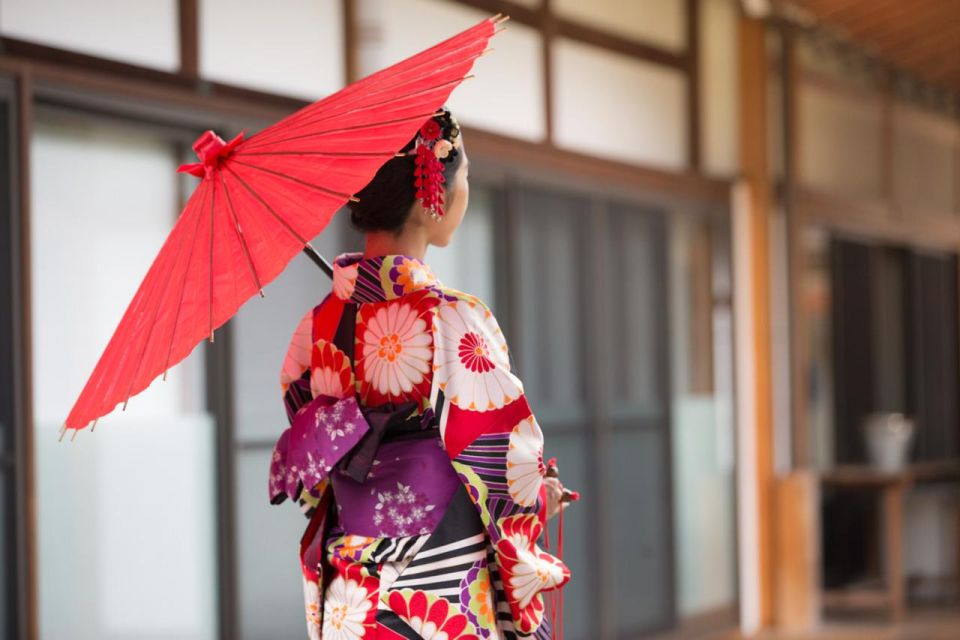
(318,259)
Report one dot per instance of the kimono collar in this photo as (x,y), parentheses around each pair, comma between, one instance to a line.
(379,278)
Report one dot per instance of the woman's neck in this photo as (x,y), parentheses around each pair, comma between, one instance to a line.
(382,243)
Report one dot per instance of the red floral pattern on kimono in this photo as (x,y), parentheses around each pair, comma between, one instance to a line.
(476,570)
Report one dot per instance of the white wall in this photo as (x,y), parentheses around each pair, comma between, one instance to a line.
(142,32)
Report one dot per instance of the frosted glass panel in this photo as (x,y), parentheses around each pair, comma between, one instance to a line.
(841,151)
(290,47)
(925,162)
(607,104)
(634,253)
(640,544)
(549,251)
(719,102)
(268,539)
(142,32)
(659,22)
(467,263)
(506,95)
(126,515)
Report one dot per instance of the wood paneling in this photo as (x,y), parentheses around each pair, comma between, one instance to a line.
(922,36)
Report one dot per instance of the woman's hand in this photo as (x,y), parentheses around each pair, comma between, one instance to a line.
(558,497)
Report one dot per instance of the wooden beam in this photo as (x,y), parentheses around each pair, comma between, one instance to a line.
(693,84)
(26,471)
(755,171)
(510,154)
(51,63)
(189,38)
(351,42)
(549,30)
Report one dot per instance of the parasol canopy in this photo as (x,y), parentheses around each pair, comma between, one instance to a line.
(259,201)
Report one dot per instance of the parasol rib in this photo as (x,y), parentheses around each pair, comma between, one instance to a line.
(242,151)
(213,202)
(153,321)
(292,179)
(266,206)
(332,154)
(243,241)
(183,288)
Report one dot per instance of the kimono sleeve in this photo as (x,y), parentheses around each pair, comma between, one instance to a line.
(296,393)
(472,379)
(295,372)
(496,446)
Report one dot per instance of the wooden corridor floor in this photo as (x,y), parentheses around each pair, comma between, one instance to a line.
(939,623)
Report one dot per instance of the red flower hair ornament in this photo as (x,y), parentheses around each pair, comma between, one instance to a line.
(435,145)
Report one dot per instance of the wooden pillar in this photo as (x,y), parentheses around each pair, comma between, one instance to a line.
(756,413)
(798,552)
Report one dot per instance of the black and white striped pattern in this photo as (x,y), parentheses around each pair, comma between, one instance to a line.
(440,570)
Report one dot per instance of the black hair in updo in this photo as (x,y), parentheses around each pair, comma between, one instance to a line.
(385,201)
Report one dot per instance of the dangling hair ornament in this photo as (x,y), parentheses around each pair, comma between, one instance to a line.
(434,147)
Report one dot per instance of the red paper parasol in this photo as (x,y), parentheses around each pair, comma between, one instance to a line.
(260,201)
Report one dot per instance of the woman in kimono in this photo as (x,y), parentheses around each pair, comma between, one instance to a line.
(411,446)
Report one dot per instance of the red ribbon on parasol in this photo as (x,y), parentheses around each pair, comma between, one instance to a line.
(259,202)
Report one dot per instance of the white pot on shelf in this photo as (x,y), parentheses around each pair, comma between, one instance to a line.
(888,437)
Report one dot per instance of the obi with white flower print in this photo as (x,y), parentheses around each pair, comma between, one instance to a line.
(425,517)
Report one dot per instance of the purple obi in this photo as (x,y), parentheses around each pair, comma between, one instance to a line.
(390,476)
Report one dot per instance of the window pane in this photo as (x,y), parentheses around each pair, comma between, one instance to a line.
(634,462)
(291,47)
(268,545)
(125,515)
(142,33)
(549,280)
(701,423)
(638,477)
(647,122)
(634,253)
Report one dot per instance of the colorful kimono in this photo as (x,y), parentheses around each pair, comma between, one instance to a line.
(415,455)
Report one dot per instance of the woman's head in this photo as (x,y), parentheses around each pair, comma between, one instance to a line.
(388,203)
